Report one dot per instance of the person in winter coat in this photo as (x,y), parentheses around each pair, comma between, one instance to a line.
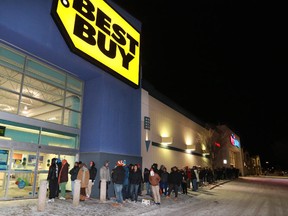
(63,178)
(164,181)
(142,181)
(175,179)
(135,178)
(74,172)
(125,190)
(118,176)
(195,178)
(52,179)
(93,173)
(83,176)
(184,181)
(146,181)
(154,180)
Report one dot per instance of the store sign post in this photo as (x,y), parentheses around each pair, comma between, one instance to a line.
(97,33)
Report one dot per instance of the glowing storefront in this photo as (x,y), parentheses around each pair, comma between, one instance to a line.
(170,135)
(69,88)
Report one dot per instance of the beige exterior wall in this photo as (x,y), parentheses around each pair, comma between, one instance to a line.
(228,152)
(166,122)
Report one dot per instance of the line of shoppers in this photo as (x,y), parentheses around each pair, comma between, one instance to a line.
(58,177)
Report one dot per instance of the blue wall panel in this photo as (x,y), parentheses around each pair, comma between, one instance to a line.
(112,117)
(111,112)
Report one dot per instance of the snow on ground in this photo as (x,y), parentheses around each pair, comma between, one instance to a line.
(93,207)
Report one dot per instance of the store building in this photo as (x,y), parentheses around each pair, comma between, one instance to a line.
(227,150)
(252,164)
(69,88)
(170,135)
(74,91)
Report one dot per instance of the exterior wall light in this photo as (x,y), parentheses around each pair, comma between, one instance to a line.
(167,140)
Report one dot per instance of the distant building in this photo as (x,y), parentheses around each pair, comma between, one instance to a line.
(252,164)
(227,150)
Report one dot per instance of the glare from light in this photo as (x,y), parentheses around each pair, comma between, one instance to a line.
(167,140)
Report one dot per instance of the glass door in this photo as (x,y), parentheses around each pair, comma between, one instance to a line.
(21,172)
(44,163)
(4,158)
(20,180)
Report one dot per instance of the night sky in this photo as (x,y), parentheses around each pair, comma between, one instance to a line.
(224,62)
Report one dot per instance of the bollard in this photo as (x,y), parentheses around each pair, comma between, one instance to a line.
(76,195)
(103,190)
(89,188)
(42,195)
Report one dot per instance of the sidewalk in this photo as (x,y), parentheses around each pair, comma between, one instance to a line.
(207,188)
(22,202)
(94,207)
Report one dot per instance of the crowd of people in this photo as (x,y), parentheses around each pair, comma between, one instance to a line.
(58,176)
(129,182)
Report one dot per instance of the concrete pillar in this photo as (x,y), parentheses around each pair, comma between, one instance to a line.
(42,195)
(76,195)
(89,188)
(103,191)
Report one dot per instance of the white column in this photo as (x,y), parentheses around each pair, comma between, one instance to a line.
(103,191)
(76,195)
(89,188)
(42,195)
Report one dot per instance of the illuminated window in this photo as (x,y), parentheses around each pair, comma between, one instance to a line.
(232,157)
(33,89)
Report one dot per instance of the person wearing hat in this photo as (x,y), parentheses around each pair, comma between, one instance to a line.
(105,175)
(118,176)
(125,190)
(52,178)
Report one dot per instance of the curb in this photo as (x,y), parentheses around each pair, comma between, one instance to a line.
(219,184)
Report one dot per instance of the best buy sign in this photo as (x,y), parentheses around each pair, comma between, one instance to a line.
(99,34)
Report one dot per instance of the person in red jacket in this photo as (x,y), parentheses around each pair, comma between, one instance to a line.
(63,178)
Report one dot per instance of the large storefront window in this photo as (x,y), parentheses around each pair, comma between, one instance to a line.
(8,101)
(40,119)
(36,135)
(33,89)
(55,138)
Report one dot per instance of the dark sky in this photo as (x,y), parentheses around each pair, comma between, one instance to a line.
(223,61)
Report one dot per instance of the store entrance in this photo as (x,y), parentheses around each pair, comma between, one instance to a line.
(22,171)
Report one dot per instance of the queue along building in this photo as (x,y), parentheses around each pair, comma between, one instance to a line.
(70,87)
